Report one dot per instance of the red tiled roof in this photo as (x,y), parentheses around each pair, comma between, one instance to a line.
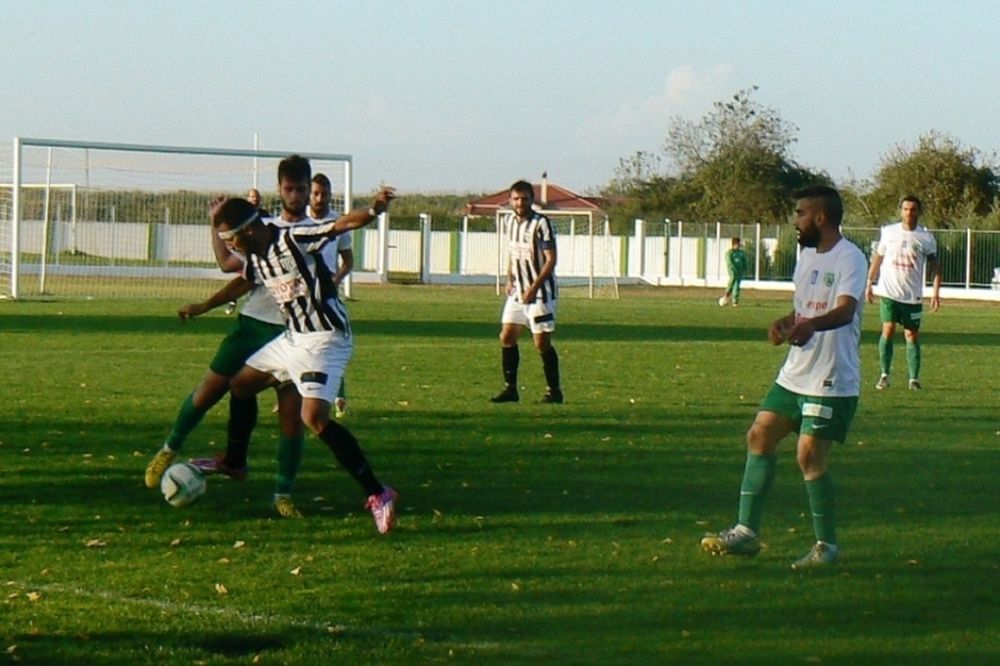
(557,198)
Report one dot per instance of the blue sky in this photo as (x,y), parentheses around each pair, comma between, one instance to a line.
(442,95)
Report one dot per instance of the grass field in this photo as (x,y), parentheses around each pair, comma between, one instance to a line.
(528,533)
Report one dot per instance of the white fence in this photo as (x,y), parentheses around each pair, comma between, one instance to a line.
(663,254)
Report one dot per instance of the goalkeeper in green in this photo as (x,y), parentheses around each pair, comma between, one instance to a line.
(736,262)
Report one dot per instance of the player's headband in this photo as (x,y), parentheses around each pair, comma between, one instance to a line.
(230,234)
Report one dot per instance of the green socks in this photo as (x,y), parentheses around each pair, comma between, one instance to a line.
(289,461)
(187,420)
(757,478)
(821,506)
(885,354)
(913,359)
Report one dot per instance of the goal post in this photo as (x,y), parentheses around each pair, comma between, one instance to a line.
(83,219)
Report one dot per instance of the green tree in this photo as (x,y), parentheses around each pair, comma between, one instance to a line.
(733,165)
(952,181)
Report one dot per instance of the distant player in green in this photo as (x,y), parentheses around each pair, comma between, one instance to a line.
(737,262)
(816,391)
(904,249)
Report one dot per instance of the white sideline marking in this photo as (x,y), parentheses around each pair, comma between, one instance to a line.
(327,628)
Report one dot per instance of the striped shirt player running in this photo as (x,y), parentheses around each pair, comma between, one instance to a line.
(316,346)
(531,293)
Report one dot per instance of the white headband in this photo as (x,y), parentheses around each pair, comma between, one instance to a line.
(230,233)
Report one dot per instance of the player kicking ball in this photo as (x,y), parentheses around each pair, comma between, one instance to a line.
(317,344)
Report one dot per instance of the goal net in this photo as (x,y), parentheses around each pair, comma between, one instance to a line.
(101,220)
(589,257)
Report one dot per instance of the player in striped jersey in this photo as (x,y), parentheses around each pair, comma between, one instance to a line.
(531,293)
(317,344)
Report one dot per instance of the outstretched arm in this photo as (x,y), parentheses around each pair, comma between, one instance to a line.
(359,218)
(232,291)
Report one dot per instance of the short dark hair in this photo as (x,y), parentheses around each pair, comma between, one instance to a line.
(322,180)
(295,168)
(524,187)
(912,199)
(828,197)
(233,212)
(736,240)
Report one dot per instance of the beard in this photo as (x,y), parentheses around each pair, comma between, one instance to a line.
(291,209)
(808,237)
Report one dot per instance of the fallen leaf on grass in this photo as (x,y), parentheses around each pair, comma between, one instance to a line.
(95,543)
(175,542)
(221,589)
(239,544)
(296,571)
(33,596)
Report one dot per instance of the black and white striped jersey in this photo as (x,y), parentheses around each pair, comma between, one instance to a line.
(526,242)
(295,272)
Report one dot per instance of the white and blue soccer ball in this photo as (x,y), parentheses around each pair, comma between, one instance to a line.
(182,484)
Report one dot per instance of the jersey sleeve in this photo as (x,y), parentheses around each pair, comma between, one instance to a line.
(854,277)
(313,237)
(546,234)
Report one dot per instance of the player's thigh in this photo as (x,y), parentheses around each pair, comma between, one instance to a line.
(767,431)
(245,338)
(249,382)
(779,415)
(910,316)
(317,364)
(827,418)
(541,318)
(889,311)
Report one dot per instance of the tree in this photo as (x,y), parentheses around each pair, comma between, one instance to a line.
(950,180)
(733,165)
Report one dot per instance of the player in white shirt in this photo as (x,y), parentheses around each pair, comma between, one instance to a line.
(341,256)
(816,391)
(904,250)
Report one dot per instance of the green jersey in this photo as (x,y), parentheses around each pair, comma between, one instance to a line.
(736,261)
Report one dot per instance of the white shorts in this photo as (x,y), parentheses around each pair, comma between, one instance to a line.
(314,362)
(539,317)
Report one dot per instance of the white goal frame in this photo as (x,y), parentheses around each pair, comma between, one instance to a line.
(19,183)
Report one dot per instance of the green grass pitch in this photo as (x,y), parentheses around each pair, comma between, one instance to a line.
(528,534)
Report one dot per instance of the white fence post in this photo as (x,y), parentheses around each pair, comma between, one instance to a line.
(425,248)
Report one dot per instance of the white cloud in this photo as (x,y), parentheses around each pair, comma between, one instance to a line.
(685,92)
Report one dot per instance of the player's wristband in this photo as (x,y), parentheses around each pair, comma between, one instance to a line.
(371,212)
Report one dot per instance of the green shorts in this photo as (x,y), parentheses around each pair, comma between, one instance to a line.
(820,417)
(244,339)
(907,314)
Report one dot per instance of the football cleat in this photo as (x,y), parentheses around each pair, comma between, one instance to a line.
(723,300)
(509,394)
(821,555)
(217,465)
(285,507)
(157,466)
(340,407)
(554,397)
(737,540)
(915,385)
(882,383)
(383,508)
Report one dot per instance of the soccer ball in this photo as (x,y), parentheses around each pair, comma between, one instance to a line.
(182,484)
